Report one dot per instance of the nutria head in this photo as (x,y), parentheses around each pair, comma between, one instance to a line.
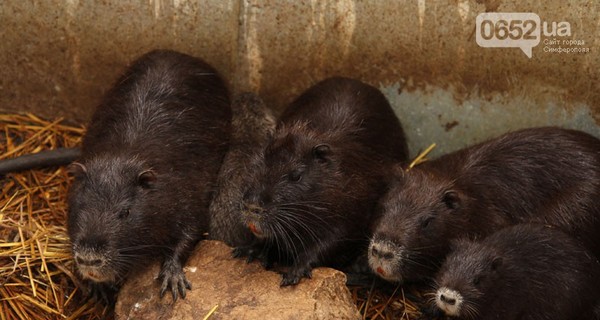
(289,178)
(301,187)
(419,213)
(108,220)
(466,280)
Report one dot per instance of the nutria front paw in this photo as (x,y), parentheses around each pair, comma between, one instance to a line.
(293,276)
(431,312)
(249,252)
(173,278)
(253,253)
(102,292)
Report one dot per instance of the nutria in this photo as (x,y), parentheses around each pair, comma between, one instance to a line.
(548,174)
(252,125)
(521,272)
(149,163)
(312,190)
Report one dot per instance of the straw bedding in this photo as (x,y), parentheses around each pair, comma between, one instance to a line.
(36,277)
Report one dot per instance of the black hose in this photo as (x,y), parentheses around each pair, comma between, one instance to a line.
(42,159)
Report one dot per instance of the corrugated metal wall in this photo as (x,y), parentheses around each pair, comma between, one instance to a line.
(59,56)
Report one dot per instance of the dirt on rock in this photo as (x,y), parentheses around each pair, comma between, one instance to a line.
(236,290)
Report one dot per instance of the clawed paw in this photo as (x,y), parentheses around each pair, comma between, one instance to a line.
(253,253)
(173,279)
(248,252)
(102,292)
(293,276)
(266,263)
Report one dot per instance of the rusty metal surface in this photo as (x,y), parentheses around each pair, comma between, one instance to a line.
(59,56)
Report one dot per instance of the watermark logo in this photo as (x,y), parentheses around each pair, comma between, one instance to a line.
(524,30)
(508,30)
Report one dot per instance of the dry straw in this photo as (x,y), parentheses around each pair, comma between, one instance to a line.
(379,304)
(421,157)
(36,278)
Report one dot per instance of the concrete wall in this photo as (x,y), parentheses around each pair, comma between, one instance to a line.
(59,56)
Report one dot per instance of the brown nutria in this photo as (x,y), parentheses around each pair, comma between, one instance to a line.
(252,125)
(312,191)
(524,271)
(149,163)
(548,174)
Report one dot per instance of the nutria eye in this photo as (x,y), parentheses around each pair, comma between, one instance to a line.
(476,281)
(123,213)
(425,223)
(295,176)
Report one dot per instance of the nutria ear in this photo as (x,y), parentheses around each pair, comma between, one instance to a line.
(496,263)
(77,169)
(452,199)
(321,152)
(147,178)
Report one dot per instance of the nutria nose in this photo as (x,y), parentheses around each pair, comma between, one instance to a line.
(254,208)
(260,199)
(447,300)
(381,253)
(89,260)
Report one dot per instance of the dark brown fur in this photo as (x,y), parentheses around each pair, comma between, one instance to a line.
(521,272)
(550,175)
(312,191)
(252,125)
(149,162)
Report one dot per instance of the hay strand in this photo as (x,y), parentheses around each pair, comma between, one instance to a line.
(210,313)
(421,157)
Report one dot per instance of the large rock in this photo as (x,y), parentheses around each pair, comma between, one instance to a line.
(240,290)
